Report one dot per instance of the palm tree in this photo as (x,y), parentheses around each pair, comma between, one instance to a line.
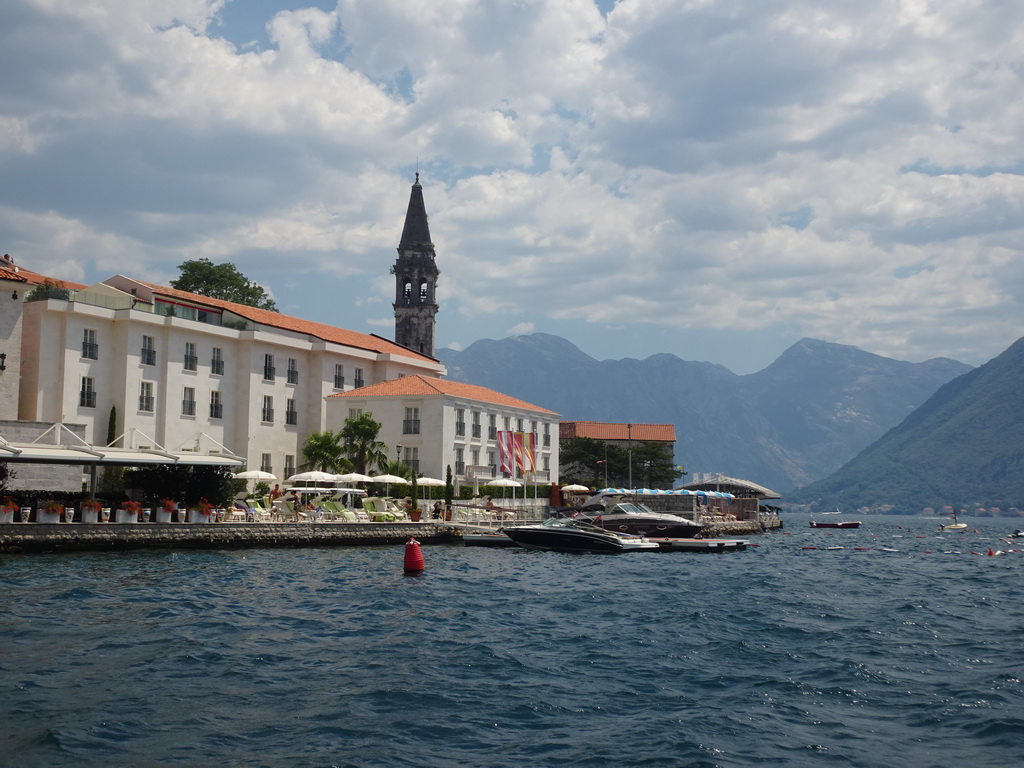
(323,451)
(361,445)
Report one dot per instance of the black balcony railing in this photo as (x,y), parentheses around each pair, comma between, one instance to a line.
(268,415)
(547,441)
(293,376)
(191,363)
(492,433)
(145,403)
(339,382)
(460,428)
(188,407)
(460,467)
(269,372)
(217,366)
(476,430)
(358,382)
(291,417)
(148,356)
(410,426)
(87,399)
(90,350)
(216,410)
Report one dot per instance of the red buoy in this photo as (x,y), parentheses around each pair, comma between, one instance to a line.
(413,557)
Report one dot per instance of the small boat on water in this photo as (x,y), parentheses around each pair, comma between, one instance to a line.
(568,535)
(839,523)
(956,525)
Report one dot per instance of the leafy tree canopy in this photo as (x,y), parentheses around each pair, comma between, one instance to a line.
(598,464)
(364,450)
(221,281)
(324,451)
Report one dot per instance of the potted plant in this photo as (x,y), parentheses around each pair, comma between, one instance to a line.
(202,512)
(165,509)
(90,510)
(49,511)
(129,512)
(7,509)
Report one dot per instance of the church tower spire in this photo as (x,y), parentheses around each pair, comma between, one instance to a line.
(415,279)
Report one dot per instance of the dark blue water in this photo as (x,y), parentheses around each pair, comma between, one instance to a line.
(775,656)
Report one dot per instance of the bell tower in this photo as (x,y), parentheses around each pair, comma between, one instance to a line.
(415,279)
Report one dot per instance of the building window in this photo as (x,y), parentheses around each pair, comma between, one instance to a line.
(412,458)
(188,401)
(268,368)
(547,435)
(148,350)
(359,378)
(289,465)
(217,361)
(460,422)
(476,424)
(291,416)
(268,409)
(460,461)
(492,427)
(293,371)
(354,412)
(216,406)
(475,456)
(146,396)
(87,395)
(265,464)
(507,421)
(90,349)
(191,358)
(547,463)
(492,465)
(339,376)
(519,425)
(411,424)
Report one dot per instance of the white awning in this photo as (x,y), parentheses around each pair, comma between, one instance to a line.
(35,453)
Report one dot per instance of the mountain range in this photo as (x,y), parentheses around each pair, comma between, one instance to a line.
(962,447)
(797,421)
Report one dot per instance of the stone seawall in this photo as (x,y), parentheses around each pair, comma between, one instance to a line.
(100,537)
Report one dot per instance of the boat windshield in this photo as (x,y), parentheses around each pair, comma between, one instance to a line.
(630,508)
(565,522)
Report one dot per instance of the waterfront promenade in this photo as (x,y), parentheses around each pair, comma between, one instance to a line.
(112,537)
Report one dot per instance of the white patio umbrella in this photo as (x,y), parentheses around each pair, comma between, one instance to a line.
(353,477)
(507,482)
(313,476)
(388,480)
(255,474)
(425,481)
(575,487)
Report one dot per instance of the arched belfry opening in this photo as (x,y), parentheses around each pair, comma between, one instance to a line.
(415,279)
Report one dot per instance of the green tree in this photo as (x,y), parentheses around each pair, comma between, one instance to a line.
(361,446)
(324,451)
(596,463)
(221,281)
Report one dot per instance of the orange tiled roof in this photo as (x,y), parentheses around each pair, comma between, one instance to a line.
(34,278)
(425,386)
(599,430)
(288,323)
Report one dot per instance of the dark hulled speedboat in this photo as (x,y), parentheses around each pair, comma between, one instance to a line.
(568,535)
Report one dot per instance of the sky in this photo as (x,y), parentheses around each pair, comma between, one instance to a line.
(714,179)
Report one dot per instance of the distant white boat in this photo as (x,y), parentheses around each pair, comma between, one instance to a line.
(954,526)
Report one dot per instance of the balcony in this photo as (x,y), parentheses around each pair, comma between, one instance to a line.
(267,416)
(87,399)
(146,403)
(217,367)
(148,356)
(90,350)
(291,418)
(460,428)
(547,441)
(492,433)
(293,376)
(476,430)
(269,372)
(460,467)
(359,382)
(191,363)
(188,407)
(216,410)
(410,426)
(339,382)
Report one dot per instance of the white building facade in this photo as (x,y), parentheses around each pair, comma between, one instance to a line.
(185,372)
(432,423)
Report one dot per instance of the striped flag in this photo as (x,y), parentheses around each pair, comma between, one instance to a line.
(505,452)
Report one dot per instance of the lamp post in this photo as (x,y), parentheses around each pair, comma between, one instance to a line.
(629,451)
(398,453)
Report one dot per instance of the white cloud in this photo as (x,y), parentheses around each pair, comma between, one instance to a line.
(849,172)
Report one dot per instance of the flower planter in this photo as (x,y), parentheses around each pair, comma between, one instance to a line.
(124,516)
(6,516)
(195,516)
(47,516)
(415,515)
(163,515)
(89,515)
